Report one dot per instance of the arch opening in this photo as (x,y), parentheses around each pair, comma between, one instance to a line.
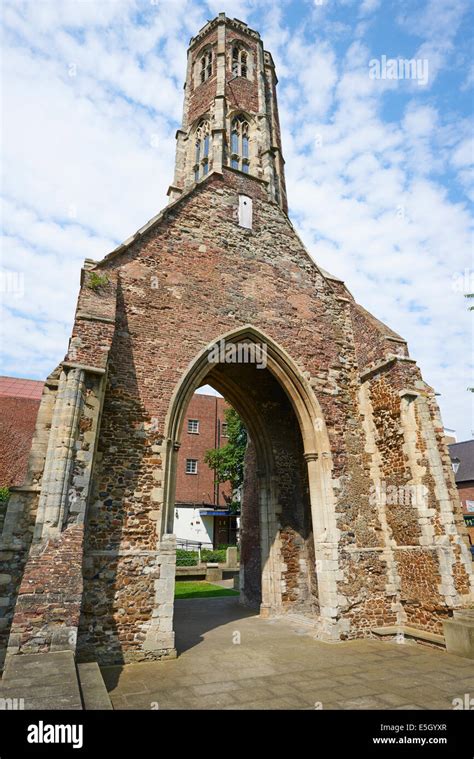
(287,516)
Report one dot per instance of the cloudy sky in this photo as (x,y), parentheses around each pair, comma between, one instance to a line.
(379,170)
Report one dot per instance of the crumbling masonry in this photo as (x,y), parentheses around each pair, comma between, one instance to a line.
(338,418)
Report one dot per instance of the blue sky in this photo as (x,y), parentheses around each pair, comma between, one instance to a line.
(379,171)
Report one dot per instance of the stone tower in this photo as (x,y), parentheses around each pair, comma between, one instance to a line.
(350,512)
(230,115)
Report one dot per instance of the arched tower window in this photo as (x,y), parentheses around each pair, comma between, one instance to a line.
(239,144)
(239,61)
(202,149)
(205,65)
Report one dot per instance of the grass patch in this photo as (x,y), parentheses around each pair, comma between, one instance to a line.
(97,281)
(201,589)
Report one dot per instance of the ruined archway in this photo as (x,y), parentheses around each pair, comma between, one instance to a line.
(292,470)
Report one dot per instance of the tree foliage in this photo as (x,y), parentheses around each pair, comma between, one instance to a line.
(228,461)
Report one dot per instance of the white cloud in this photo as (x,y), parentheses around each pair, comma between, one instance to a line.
(368,6)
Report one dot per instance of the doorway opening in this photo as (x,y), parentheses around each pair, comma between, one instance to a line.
(286,521)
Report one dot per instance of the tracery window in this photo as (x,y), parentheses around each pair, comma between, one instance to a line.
(206,66)
(239,144)
(239,61)
(202,149)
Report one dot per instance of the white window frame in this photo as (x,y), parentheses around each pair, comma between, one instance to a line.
(195,467)
(193,426)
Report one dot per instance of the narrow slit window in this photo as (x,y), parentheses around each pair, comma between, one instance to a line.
(235,141)
(235,61)
(243,64)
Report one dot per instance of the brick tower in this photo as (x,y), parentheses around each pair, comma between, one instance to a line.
(350,513)
(230,115)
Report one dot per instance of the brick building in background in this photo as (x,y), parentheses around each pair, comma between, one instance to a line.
(462,459)
(201,512)
(19,404)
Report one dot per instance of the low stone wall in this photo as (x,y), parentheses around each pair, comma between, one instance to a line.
(200,572)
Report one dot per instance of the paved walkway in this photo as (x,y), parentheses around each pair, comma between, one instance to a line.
(278,665)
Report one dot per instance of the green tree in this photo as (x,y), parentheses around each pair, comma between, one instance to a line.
(228,461)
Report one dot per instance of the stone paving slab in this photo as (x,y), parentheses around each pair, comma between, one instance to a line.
(43,681)
(274,668)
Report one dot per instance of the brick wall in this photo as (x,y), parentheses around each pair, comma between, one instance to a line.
(466,493)
(199,488)
(19,404)
(17,424)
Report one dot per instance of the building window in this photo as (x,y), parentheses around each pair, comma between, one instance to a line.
(239,144)
(193,426)
(206,66)
(239,61)
(191,466)
(202,150)
(224,429)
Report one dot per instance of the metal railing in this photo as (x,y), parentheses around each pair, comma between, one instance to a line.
(193,545)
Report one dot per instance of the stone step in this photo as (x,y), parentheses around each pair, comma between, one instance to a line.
(409,632)
(459,633)
(94,692)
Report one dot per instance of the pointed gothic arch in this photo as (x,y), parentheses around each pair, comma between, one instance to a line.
(202,148)
(315,450)
(239,143)
(241,59)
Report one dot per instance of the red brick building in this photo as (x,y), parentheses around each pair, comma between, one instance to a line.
(462,458)
(19,404)
(204,428)
(201,513)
